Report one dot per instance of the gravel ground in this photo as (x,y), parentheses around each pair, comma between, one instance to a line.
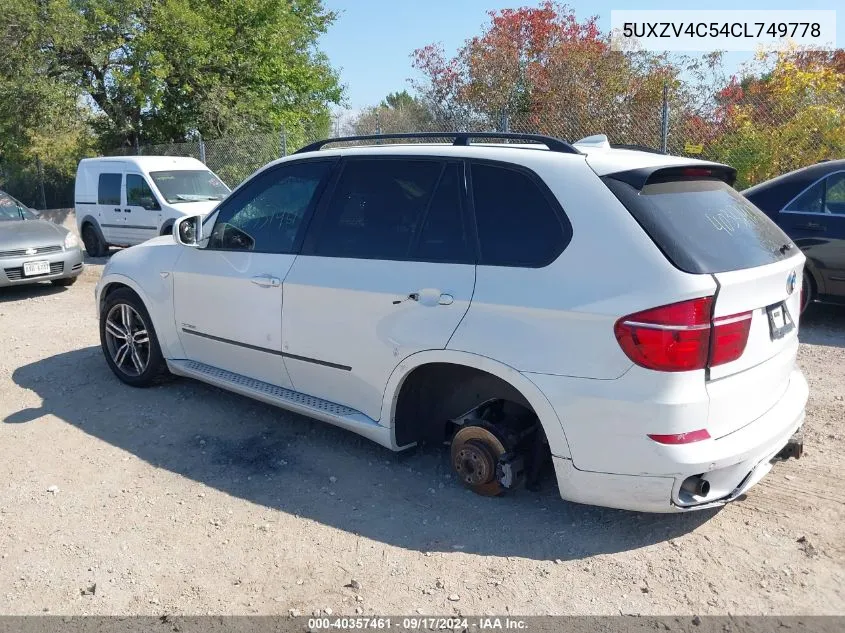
(184,499)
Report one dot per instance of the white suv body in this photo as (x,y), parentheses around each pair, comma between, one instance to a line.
(395,290)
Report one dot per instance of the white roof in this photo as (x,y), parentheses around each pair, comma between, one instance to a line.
(609,161)
(595,150)
(150,163)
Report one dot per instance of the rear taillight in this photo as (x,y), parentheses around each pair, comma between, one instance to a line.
(673,337)
(730,334)
(682,336)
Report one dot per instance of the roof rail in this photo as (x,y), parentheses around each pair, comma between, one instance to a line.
(460,138)
(638,148)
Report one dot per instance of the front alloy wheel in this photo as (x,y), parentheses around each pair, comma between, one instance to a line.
(129,340)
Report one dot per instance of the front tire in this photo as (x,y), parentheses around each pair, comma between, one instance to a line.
(129,341)
(94,244)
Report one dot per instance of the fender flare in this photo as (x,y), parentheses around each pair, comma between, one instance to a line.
(552,424)
(116,278)
(90,219)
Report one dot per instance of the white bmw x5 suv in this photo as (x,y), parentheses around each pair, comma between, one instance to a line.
(625,312)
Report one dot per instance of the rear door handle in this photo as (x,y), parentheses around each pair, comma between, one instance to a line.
(127,210)
(266,281)
(117,210)
(430,297)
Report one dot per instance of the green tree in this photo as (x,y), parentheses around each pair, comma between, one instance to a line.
(43,124)
(234,66)
(81,75)
(157,71)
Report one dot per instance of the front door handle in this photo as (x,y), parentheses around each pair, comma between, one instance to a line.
(117,210)
(266,281)
(127,210)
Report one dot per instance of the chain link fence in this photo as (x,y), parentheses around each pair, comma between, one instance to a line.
(761,134)
(761,140)
(232,158)
(758,135)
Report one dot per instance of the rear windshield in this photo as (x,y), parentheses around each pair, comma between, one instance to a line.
(192,185)
(703,226)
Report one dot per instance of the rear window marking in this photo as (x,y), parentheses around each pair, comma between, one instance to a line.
(733,218)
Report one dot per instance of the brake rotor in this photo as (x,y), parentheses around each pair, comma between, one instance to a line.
(475,454)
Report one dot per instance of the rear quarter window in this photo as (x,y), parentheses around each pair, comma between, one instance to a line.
(703,226)
(519,223)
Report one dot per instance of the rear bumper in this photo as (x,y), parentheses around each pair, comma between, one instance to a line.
(731,464)
(63,264)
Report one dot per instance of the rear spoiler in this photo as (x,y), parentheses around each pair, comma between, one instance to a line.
(639,178)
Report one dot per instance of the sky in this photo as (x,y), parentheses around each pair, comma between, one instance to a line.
(372,41)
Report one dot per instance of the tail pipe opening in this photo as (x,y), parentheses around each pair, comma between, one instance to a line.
(696,485)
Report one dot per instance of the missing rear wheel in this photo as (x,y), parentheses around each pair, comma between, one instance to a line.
(475,453)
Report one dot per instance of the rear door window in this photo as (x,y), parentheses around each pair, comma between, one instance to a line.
(703,226)
(377,208)
(443,237)
(108,189)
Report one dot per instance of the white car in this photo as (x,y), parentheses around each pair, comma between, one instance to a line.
(626,312)
(127,200)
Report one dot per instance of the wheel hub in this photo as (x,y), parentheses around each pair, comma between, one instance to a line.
(475,454)
(475,463)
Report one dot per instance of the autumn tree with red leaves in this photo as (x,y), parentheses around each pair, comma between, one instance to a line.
(551,73)
(554,74)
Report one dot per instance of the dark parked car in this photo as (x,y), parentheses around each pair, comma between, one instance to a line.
(809,205)
(33,250)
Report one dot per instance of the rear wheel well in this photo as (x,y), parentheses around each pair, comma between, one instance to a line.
(435,394)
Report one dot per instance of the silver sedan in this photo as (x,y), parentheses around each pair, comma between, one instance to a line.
(33,250)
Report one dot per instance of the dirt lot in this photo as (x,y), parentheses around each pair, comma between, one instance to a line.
(185,499)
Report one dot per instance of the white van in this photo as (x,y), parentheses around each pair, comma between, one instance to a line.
(127,200)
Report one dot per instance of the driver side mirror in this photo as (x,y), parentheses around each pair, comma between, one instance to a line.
(188,231)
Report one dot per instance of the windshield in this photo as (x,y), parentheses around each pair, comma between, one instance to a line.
(11,209)
(189,185)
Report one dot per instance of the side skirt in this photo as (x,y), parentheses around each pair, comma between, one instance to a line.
(317,408)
